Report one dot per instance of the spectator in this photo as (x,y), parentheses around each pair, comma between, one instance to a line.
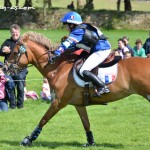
(117,53)
(6,85)
(71,6)
(128,54)
(19,78)
(146,46)
(45,93)
(138,50)
(126,41)
(30,94)
(122,48)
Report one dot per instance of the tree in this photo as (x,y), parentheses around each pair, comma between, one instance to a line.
(45,2)
(7,3)
(80,4)
(17,2)
(28,3)
(89,4)
(118,5)
(127,5)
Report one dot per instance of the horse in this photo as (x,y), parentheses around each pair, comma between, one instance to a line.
(34,48)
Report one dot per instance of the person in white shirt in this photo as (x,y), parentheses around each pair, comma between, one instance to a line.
(45,93)
(122,48)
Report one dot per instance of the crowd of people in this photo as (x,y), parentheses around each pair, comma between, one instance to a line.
(139,50)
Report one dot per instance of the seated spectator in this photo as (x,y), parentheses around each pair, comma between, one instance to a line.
(117,53)
(126,41)
(6,85)
(71,6)
(128,54)
(138,50)
(146,46)
(122,48)
(45,93)
(30,94)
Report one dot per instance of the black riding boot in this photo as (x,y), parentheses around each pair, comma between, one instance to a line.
(96,81)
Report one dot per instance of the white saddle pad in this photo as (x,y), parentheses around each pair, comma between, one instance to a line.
(107,75)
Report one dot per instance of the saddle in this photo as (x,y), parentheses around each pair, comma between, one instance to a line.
(108,62)
(111,60)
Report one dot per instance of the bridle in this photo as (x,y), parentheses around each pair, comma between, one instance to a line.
(12,67)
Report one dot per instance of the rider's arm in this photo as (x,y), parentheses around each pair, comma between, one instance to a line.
(74,38)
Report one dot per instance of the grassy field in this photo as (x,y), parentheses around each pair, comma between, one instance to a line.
(122,125)
(98,4)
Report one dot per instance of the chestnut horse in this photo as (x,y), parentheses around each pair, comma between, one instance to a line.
(133,77)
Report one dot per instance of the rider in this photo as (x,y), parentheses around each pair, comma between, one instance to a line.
(90,36)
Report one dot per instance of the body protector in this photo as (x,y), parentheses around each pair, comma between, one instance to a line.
(92,35)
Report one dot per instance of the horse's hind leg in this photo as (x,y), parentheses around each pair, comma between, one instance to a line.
(53,109)
(86,124)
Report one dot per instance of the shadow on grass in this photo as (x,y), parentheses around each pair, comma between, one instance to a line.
(61,144)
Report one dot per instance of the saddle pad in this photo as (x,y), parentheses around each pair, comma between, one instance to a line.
(107,75)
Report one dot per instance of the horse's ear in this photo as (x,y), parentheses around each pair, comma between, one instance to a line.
(25,39)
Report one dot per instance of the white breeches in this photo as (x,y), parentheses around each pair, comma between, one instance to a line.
(94,60)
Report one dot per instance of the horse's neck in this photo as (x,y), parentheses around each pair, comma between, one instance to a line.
(58,65)
(40,59)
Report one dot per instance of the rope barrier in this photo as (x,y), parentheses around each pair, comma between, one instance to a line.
(28,80)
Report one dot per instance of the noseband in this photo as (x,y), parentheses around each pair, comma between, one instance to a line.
(13,67)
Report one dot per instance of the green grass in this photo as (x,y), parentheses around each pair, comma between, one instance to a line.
(122,125)
(98,4)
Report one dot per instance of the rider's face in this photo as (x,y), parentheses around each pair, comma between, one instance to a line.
(67,27)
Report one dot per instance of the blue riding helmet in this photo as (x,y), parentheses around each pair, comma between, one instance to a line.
(71,17)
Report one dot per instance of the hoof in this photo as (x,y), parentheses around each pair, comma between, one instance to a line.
(26,142)
(88,145)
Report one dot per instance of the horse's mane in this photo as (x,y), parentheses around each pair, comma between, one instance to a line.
(39,39)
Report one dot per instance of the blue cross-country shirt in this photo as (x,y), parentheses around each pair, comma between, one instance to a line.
(76,36)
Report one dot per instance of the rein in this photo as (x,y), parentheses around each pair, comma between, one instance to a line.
(61,65)
(47,52)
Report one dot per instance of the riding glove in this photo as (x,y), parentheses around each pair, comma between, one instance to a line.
(53,58)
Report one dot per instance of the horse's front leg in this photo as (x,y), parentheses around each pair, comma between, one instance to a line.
(86,124)
(53,109)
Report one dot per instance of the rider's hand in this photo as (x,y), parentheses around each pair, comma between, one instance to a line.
(53,58)
(57,54)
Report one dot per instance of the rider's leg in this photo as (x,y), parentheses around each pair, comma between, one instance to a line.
(93,78)
(94,60)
